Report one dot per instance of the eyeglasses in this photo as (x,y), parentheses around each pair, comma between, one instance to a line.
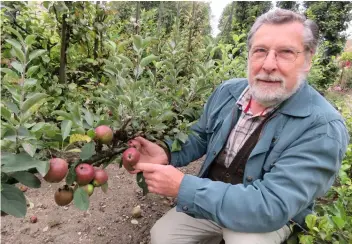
(282,55)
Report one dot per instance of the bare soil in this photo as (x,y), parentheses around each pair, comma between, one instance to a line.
(108,219)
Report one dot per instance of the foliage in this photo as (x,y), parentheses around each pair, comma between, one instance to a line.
(153,84)
(332,222)
(239,16)
(338,14)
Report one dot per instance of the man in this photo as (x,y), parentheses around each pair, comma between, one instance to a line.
(273,145)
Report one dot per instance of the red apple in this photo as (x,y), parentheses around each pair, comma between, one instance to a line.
(104,134)
(57,171)
(101,177)
(130,157)
(84,174)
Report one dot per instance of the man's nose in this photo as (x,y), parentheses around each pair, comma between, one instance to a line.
(270,64)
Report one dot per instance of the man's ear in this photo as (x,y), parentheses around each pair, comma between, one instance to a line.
(308,63)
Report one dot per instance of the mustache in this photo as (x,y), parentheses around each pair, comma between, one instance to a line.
(270,78)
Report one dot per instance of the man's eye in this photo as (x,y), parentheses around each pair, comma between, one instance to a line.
(286,51)
(259,50)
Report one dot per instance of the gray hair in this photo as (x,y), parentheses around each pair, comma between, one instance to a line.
(283,16)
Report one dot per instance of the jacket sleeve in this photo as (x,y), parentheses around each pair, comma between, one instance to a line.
(303,172)
(196,145)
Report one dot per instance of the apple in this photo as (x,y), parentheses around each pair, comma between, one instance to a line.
(58,169)
(89,189)
(63,196)
(84,174)
(33,219)
(100,178)
(130,157)
(104,134)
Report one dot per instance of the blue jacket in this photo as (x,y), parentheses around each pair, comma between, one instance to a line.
(296,160)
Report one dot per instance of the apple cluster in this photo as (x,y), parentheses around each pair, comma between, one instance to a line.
(87,177)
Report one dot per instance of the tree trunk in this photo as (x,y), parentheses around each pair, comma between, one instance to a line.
(160,11)
(230,19)
(138,9)
(191,27)
(96,39)
(64,41)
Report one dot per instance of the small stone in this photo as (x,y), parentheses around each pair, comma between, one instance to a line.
(65,207)
(79,233)
(134,221)
(99,228)
(46,229)
(136,212)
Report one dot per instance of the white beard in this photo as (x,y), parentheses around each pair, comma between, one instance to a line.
(268,95)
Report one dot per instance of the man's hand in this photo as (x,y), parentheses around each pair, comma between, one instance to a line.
(149,152)
(161,179)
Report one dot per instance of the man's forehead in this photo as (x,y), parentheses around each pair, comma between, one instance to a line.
(285,35)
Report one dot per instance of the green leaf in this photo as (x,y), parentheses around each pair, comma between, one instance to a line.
(30,39)
(36,53)
(38,126)
(63,114)
(311,220)
(88,150)
(33,100)
(15,44)
(18,53)
(13,201)
(71,175)
(22,161)
(176,146)
(126,61)
(88,117)
(166,116)
(338,221)
(141,183)
(81,199)
(9,72)
(13,107)
(305,239)
(17,66)
(147,60)
(6,114)
(27,179)
(182,137)
(91,133)
(29,148)
(15,32)
(32,70)
(30,82)
(137,42)
(105,187)
(66,126)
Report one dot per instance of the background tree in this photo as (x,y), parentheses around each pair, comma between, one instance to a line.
(291,5)
(332,18)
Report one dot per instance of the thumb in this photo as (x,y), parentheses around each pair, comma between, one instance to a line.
(144,142)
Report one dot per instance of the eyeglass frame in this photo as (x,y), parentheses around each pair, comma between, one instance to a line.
(276,55)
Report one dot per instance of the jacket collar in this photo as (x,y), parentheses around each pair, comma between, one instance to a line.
(298,105)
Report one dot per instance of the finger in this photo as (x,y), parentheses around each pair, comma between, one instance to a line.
(135,171)
(134,143)
(147,167)
(143,141)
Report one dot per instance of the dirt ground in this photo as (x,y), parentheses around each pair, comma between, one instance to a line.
(108,219)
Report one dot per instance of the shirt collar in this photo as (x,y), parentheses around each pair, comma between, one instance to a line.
(244,101)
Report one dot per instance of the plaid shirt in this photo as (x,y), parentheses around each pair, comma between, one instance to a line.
(246,125)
